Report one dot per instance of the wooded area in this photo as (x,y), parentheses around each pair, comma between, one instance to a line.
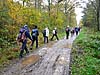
(92,14)
(54,13)
(14,15)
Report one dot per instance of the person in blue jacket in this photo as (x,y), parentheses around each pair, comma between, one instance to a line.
(34,34)
(24,42)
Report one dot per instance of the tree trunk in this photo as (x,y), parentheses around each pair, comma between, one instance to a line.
(98,16)
(23,3)
(49,7)
(65,6)
(35,3)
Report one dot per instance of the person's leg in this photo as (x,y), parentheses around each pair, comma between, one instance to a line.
(36,42)
(26,50)
(47,39)
(52,37)
(44,39)
(32,43)
(67,35)
(76,32)
(57,37)
(22,49)
(21,53)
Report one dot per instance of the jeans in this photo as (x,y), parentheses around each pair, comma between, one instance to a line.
(45,39)
(34,39)
(24,47)
(67,35)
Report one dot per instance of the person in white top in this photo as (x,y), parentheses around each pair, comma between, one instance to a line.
(46,35)
(47,32)
(54,34)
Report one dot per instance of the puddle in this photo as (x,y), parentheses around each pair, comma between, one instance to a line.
(30,60)
(51,44)
(68,45)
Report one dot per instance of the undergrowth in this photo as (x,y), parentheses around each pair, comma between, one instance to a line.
(86,53)
(11,51)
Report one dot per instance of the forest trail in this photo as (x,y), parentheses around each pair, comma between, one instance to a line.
(51,59)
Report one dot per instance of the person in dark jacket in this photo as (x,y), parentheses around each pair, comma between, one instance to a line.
(34,34)
(67,32)
(76,30)
(24,42)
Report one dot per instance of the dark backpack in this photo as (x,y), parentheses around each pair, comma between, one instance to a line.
(21,36)
(34,32)
(44,32)
(76,29)
(67,30)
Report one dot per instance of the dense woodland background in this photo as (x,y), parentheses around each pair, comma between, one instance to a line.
(14,15)
(57,13)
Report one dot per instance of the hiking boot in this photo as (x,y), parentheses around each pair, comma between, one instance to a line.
(20,57)
(27,53)
(30,48)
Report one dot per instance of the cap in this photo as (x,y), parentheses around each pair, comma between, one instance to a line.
(68,26)
(25,25)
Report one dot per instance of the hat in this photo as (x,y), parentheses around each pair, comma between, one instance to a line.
(55,28)
(68,26)
(25,25)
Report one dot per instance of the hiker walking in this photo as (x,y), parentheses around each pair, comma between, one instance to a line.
(46,35)
(67,32)
(54,34)
(34,35)
(22,37)
(72,32)
(76,30)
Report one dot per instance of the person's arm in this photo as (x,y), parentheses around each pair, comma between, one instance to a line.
(31,33)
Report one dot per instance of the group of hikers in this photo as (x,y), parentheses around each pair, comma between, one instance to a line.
(24,33)
(72,31)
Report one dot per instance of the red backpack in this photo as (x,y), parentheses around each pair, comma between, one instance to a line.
(21,37)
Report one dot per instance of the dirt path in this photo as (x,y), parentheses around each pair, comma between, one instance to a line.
(52,59)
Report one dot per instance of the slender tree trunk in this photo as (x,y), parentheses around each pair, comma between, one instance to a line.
(23,3)
(65,6)
(35,4)
(49,7)
(98,16)
(99,13)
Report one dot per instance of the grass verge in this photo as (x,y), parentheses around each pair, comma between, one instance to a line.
(85,55)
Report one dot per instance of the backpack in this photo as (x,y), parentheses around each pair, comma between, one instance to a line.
(76,29)
(44,32)
(21,36)
(67,30)
(34,32)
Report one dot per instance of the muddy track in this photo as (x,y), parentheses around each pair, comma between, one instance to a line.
(52,59)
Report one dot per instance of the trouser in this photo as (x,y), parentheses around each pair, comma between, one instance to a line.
(24,47)
(34,39)
(55,36)
(45,39)
(76,32)
(67,35)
